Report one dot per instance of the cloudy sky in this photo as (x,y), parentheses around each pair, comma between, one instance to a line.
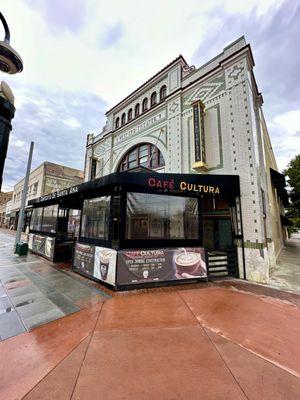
(82,56)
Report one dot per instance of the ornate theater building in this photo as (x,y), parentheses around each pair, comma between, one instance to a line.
(205,120)
(180,184)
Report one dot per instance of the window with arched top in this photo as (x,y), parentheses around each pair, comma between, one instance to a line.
(153,99)
(117,123)
(145,155)
(163,93)
(145,104)
(129,116)
(123,119)
(137,110)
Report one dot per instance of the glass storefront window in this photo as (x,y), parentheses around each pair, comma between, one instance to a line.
(95,218)
(36,219)
(74,222)
(153,216)
(49,219)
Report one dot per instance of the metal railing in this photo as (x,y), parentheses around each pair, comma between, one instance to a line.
(222,262)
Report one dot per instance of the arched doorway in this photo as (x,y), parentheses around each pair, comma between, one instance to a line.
(144,155)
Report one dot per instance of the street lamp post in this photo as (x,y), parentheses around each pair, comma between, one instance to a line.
(11,63)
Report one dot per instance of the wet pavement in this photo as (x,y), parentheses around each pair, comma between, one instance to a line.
(286,274)
(33,292)
(225,340)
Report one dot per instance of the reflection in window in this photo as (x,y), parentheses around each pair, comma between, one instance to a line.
(117,123)
(36,219)
(137,110)
(152,216)
(74,223)
(95,218)
(50,219)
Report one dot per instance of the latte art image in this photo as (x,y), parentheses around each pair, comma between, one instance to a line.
(189,264)
(187,258)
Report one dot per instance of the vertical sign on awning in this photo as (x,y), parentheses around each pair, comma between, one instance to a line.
(199,137)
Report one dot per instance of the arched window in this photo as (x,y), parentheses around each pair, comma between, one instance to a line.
(117,123)
(163,93)
(153,100)
(145,155)
(137,110)
(129,116)
(145,104)
(123,119)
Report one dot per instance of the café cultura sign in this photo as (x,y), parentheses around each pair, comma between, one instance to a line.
(182,186)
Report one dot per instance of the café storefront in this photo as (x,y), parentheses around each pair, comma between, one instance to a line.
(133,229)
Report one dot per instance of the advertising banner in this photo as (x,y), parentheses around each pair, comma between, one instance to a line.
(43,245)
(84,257)
(105,265)
(149,265)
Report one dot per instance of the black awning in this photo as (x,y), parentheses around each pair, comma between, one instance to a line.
(277,179)
(193,184)
(283,195)
(285,221)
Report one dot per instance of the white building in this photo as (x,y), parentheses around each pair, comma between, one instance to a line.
(206,120)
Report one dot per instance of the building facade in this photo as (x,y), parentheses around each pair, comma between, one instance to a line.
(205,120)
(46,178)
(4,198)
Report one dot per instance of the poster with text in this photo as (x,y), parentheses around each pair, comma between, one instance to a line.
(43,245)
(158,265)
(84,256)
(105,265)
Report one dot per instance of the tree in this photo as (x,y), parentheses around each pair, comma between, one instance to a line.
(293,176)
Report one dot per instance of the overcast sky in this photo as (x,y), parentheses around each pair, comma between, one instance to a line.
(82,56)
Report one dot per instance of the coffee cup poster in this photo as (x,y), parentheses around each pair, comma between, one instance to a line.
(105,265)
(156,265)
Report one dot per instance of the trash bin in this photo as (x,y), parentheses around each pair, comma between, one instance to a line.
(22,249)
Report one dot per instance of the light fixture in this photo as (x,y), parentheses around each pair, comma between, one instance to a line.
(10,61)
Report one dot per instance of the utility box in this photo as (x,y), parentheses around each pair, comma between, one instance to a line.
(22,249)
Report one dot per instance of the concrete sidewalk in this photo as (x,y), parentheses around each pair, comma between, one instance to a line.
(221,341)
(217,341)
(286,274)
(33,292)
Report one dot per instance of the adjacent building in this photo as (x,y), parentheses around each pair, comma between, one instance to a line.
(46,178)
(4,198)
(208,121)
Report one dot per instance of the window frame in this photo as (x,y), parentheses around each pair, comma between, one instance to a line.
(145,104)
(117,124)
(137,110)
(157,243)
(97,241)
(129,115)
(163,93)
(123,119)
(153,99)
(153,162)
(93,168)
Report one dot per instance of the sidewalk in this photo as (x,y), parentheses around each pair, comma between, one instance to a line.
(228,340)
(286,274)
(33,293)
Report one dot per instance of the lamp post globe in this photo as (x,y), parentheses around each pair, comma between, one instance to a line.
(11,63)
